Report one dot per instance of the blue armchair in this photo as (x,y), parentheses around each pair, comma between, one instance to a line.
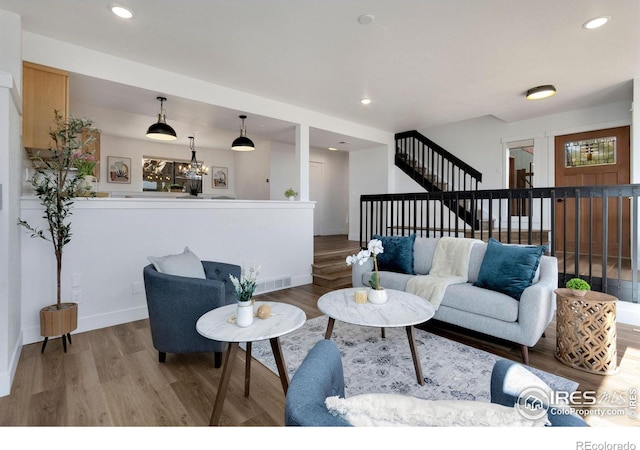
(321,375)
(176,303)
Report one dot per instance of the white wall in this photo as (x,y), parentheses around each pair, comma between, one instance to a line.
(252,172)
(334,188)
(334,195)
(368,174)
(10,176)
(112,239)
(284,172)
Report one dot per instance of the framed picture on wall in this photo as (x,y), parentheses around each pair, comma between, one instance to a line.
(119,170)
(220,177)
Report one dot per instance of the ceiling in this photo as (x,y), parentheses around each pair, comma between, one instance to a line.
(422,63)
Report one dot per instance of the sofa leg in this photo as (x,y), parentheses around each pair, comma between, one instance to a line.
(525,354)
(217,360)
(162,356)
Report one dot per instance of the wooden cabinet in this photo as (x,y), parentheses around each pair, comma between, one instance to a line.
(44,90)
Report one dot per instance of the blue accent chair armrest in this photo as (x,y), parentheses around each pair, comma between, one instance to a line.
(319,376)
(509,379)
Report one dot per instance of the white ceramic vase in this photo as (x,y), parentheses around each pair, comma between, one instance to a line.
(578,293)
(244,314)
(89,183)
(377,296)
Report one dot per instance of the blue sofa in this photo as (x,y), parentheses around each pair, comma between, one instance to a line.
(321,375)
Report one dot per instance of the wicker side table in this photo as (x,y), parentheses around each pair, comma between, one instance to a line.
(586,331)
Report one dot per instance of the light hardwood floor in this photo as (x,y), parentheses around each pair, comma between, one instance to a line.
(112,377)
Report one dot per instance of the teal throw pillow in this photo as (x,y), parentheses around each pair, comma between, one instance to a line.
(397,255)
(509,269)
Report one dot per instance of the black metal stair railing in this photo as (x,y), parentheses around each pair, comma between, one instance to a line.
(592,230)
(437,170)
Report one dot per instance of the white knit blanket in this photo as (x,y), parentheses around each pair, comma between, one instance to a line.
(450,266)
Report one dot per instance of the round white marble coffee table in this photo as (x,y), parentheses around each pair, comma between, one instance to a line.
(216,325)
(401,310)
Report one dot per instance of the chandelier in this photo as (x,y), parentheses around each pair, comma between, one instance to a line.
(194,170)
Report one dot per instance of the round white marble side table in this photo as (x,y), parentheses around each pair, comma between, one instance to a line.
(401,310)
(216,325)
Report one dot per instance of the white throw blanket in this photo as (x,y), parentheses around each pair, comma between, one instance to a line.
(450,266)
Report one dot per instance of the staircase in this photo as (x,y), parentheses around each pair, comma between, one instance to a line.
(437,170)
(329,268)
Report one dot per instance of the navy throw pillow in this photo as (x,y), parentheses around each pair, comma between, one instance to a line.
(509,269)
(397,255)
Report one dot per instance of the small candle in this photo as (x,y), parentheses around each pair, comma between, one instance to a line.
(361,296)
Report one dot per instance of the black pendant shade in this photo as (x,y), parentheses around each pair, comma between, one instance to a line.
(243,143)
(160,130)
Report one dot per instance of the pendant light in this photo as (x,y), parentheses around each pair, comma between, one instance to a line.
(194,171)
(243,143)
(160,130)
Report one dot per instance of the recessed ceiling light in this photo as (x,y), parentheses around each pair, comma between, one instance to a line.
(596,23)
(366,19)
(121,11)
(333,149)
(539,92)
(365,101)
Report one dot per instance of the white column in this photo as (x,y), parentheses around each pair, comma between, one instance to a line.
(10,184)
(302,155)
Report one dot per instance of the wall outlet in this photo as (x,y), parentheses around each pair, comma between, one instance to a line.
(76,296)
(136,288)
(77,280)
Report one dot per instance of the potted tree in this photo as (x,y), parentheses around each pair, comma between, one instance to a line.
(56,185)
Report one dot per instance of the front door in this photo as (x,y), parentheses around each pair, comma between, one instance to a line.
(594,158)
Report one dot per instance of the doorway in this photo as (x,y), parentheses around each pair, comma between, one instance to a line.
(594,158)
(521,172)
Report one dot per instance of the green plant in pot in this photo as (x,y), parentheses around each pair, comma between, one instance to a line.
(578,286)
(57,185)
(290,193)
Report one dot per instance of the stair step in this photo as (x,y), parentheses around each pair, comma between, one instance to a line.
(334,282)
(334,256)
(331,268)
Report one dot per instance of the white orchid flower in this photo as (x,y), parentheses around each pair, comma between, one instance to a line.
(363,256)
(375,246)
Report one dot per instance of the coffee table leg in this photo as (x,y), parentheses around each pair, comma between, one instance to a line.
(414,355)
(282,367)
(327,334)
(247,370)
(224,383)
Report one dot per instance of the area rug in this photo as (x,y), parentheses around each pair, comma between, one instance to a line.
(372,364)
